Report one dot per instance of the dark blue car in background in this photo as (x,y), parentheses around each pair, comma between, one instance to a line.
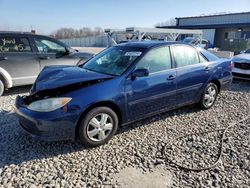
(120,85)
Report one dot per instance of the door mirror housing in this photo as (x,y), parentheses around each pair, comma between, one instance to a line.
(141,72)
(61,54)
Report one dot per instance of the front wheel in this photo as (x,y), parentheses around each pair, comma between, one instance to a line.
(98,126)
(1,88)
(209,96)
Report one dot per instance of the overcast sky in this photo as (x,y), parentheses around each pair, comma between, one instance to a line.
(46,16)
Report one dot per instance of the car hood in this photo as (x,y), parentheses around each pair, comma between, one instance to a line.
(54,77)
(242,58)
(82,55)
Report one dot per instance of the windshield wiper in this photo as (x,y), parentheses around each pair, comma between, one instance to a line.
(99,72)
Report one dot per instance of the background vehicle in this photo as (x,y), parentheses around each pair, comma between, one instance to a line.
(195,41)
(241,68)
(245,51)
(24,55)
(120,85)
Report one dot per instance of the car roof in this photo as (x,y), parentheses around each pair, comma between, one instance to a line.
(15,33)
(9,33)
(148,44)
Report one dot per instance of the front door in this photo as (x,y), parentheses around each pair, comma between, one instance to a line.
(156,92)
(19,59)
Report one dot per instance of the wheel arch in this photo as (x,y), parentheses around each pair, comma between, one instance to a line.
(5,78)
(108,104)
(217,83)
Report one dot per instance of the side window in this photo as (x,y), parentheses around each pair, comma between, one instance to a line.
(209,55)
(14,44)
(185,55)
(156,60)
(204,42)
(48,46)
(202,58)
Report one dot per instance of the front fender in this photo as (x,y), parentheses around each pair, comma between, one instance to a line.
(7,78)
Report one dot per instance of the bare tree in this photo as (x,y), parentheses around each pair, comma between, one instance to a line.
(86,31)
(170,22)
(64,33)
(98,31)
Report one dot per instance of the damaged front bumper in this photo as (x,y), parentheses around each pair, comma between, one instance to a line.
(47,126)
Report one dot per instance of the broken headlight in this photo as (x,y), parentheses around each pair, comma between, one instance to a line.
(48,105)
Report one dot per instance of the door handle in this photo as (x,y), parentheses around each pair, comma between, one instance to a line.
(44,57)
(207,68)
(3,58)
(171,77)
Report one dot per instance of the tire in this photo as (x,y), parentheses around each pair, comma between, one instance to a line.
(209,96)
(1,88)
(98,126)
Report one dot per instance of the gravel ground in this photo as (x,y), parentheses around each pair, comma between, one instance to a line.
(25,162)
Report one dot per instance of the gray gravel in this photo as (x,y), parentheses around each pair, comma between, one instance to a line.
(25,162)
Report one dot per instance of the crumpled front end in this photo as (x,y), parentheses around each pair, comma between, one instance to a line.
(48,126)
(52,109)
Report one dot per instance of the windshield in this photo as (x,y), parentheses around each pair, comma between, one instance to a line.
(208,55)
(113,61)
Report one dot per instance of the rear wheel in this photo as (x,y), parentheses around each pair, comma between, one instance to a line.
(209,96)
(1,88)
(98,126)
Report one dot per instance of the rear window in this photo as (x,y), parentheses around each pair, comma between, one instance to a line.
(208,55)
(14,44)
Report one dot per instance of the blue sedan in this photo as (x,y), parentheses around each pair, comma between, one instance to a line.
(120,85)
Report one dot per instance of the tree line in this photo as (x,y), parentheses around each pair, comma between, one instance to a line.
(65,33)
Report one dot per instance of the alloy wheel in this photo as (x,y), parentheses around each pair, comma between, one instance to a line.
(210,96)
(99,127)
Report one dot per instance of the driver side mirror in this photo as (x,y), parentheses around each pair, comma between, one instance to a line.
(61,54)
(141,72)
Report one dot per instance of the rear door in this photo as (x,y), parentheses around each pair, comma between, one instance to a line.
(18,58)
(156,92)
(52,52)
(193,71)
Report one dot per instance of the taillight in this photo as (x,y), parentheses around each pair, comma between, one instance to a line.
(231,65)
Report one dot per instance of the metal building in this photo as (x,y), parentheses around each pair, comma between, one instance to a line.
(218,28)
